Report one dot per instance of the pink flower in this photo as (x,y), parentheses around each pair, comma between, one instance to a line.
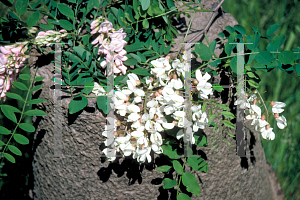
(17,50)
(117,45)
(123,68)
(62,31)
(3,59)
(42,33)
(94,24)
(95,30)
(118,35)
(122,52)
(6,49)
(105,27)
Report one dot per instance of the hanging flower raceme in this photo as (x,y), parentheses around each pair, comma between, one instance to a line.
(253,112)
(111,44)
(46,38)
(145,125)
(11,60)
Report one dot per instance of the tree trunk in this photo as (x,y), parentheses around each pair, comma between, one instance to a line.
(67,157)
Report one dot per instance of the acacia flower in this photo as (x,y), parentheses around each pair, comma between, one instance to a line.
(267,133)
(277,106)
(203,86)
(281,121)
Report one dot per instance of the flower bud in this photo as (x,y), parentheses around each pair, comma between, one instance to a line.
(33,30)
(272,103)
(175,122)
(116,134)
(254,101)
(151,79)
(170,76)
(157,94)
(167,57)
(143,146)
(263,117)
(276,115)
(175,76)
(138,82)
(268,126)
(160,91)
(118,123)
(195,82)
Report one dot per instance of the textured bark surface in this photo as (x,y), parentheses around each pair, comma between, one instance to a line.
(76,170)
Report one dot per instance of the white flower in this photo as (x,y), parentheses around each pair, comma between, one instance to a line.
(142,155)
(156,140)
(281,122)
(176,84)
(179,67)
(161,65)
(204,87)
(200,123)
(255,114)
(268,133)
(133,108)
(189,137)
(110,154)
(277,107)
(179,115)
(133,117)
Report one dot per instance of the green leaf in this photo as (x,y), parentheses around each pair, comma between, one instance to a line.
(182,196)
(178,167)
(198,164)
(253,83)
(136,57)
(21,139)
(77,103)
(39,78)
(164,168)
(203,51)
(24,77)
(169,183)
(27,127)
(253,39)
(212,46)
(156,10)
(228,114)
(9,113)
(240,29)
(229,29)
(141,71)
(228,124)
(36,101)
(37,87)
(272,29)
(134,47)
(298,69)
(65,10)
(9,157)
(221,35)
(264,57)
(15,150)
(130,61)
(231,135)
(20,85)
(102,104)
(191,183)
(171,153)
(171,4)
(33,19)
(4,131)
(65,24)
(145,24)
(145,4)
(21,6)
(35,113)
(287,57)
(211,118)
(14,96)
(1,143)
(200,141)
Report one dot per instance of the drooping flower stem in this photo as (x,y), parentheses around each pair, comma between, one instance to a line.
(263,104)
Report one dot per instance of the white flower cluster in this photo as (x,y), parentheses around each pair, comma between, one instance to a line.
(110,40)
(146,123)
(253,112)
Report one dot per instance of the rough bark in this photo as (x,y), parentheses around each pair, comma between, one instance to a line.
(79,172)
